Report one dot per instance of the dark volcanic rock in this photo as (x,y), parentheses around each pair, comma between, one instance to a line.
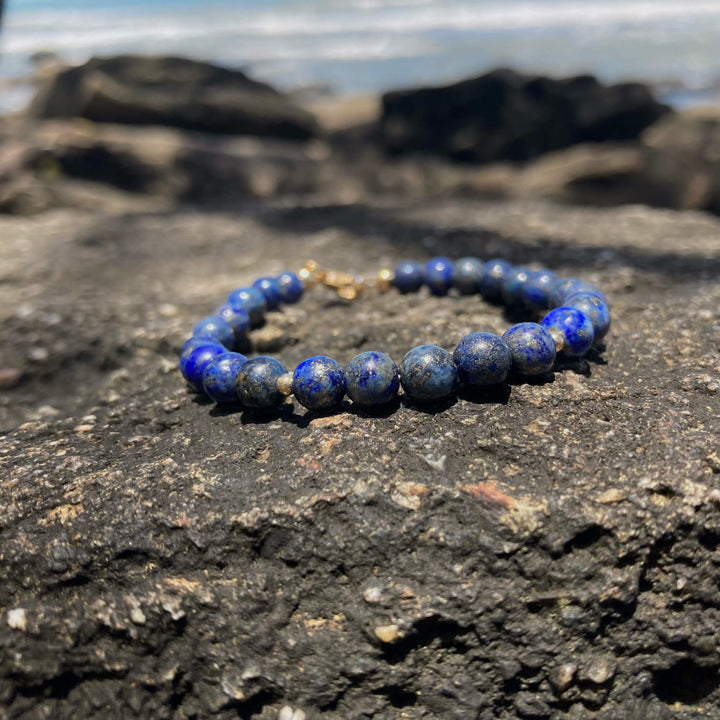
(37,168)
(546,551)
(675,164)
(507,116)
(172,91)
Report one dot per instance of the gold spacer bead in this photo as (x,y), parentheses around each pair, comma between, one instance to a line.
(348,292)
(559,339)
(308,274)
(384,280)
(284,383)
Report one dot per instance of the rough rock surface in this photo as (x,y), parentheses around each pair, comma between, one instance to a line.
(549,550)
(172,91)
(504,115)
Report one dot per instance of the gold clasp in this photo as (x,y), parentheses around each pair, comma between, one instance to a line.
(346,285)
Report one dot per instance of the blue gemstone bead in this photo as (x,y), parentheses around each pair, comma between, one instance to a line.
(466,275)
(493,277)
(576,329)
(562,289)
(215,329)
(512,286)
(595,308)
(291,287)
(319,383)
(190,344)
(531,347)
(252,301)
(535,292)
(236,318)
(270,289)
(438,275)
(256,383)
(408,277)
(428,372)
(194,364)
(219,376)
(372,378)
(482,358)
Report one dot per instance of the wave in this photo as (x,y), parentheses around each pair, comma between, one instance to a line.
(293,42)
(355,16)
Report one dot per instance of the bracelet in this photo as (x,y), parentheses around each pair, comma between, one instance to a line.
(578,317)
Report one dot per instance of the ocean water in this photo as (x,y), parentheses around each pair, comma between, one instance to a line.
(361,46)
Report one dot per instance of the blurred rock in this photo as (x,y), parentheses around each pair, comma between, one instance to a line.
(71,161)
(508,116)
(682,162)
(38,167)
(171,91)
(602,174)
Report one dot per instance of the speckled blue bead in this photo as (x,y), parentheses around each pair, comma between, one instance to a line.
(535,293)
(438,275)
(252,301)
(512,286)
(428,372)
(493,277)
(482,358)
(595,308)
(215,329)
(256,383)
(194,363)
(466,275)
(236,318)
(219,376)
(372,378)
(563,288)
(576,328)
(319,383)
(270,289)
(532,348)
(408,277)
(190,344)
(290,286)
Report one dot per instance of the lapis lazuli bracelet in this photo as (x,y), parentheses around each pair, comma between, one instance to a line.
(576,316)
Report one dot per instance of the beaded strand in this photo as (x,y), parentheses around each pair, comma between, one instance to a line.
(577,316)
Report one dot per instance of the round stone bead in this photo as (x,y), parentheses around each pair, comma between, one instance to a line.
(190,344)
(194,363)
(372,378)
(290,287)
(466,275)
(218,378)
(256,383)
(595,308)
(270,289)
(535,293)
(408,277)
(512,286)
(493,277)
(319,383)
(252,301)
(428,372)
(236,318)
(438,275)
(563,288)
(532,348)
(215,329)
(482,358)
(576,328)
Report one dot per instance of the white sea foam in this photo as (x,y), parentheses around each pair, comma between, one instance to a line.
(351,17)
